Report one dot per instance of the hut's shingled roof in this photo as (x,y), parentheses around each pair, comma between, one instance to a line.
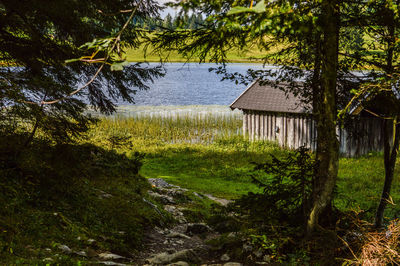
(268,98)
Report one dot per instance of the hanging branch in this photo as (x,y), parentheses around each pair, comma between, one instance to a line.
(103,62)
(379,116)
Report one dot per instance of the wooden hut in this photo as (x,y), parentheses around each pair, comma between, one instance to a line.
(271,114)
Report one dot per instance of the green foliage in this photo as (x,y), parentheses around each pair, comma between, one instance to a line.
(67,194)
(286,190)
(179,21)
(39,91)
(220,166)
(269,245)
(258,8)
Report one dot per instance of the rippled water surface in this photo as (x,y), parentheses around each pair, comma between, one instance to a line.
(193,84)
(188,89)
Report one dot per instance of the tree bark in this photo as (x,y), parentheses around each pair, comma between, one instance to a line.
(36,125)
(327,154)
(391,145)
(390,156)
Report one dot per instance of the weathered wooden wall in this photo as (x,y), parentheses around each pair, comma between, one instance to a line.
(295,130)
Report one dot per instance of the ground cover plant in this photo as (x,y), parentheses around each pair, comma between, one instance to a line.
(81,196)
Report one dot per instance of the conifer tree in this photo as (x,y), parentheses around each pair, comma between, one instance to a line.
(47,79)
(377,27)
(306,33)
(167,23)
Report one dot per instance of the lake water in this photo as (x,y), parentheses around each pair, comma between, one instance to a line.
(188,88)
(193,84)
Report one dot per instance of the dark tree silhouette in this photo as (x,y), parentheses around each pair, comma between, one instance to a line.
(39,90)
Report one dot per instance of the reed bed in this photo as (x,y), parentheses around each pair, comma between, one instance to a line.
(178,128)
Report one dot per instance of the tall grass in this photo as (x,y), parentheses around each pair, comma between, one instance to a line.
(178,128)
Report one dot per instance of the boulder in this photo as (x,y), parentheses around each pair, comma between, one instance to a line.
(182,220)
(197,228)
(159,183)
(184,255)
(111,263)
(177,193)
(165,199)
(65,249)
(81,253)
(198,195)
(225,257)
(177,235)
(258,253)
(179,263)
(110,256)
(247,247)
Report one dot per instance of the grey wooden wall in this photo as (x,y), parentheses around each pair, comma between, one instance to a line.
(295,130)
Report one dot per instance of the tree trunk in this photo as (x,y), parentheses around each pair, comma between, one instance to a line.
(327,154)
(391,145)
(32,134)
(37,121)
(390,156)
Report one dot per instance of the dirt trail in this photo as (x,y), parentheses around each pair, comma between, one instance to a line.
(184,243)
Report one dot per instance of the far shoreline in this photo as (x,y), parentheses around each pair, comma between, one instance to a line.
(169,110)
(244,61)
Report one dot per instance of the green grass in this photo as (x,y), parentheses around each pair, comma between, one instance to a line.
(360,184)
(54,195)
(251,54)
(206,154)
(213,171)
(210,156)
(248,55)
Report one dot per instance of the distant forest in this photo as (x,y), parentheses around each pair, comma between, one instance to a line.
(177,22)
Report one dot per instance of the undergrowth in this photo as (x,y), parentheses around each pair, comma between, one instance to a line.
(272,222)
(67,194)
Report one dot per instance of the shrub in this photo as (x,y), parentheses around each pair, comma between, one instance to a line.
(66,194)
(286,185)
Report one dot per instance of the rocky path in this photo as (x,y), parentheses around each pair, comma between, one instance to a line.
(184,243)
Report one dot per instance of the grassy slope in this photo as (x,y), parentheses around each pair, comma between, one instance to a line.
(250,55)
(218,168)
(223,167)
(65,195)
